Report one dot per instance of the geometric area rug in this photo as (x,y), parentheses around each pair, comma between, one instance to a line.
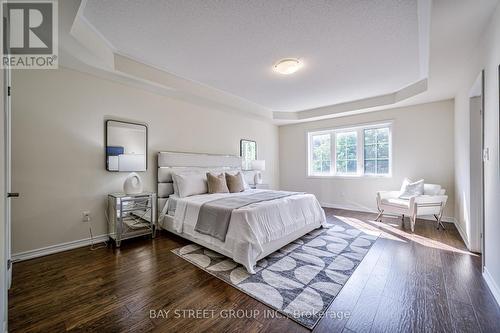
(301,279)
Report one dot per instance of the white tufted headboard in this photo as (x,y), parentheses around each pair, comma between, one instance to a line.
(173,161)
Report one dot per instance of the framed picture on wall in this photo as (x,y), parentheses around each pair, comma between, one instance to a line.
(248,153)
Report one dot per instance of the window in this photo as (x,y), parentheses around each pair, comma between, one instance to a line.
(376,151)
(346,152)
(321,154)
(248,153)
(358,151)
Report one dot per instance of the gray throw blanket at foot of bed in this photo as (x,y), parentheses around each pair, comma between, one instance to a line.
(214,216)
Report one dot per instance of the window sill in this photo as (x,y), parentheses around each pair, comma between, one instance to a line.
(348,176)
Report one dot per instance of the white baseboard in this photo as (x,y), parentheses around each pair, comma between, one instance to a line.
(495,290)
(356,208)
(463,234)
(348,207)
(57,248)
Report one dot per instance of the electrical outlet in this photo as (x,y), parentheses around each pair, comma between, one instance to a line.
(86,216)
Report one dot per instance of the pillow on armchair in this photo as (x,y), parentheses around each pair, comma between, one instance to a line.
(433,189)
(411,189)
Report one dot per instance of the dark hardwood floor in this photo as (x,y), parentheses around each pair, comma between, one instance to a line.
(421,282)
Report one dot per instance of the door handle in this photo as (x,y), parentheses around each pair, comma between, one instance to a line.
(12,195)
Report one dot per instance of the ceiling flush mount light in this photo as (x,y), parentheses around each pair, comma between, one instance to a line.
(287,66)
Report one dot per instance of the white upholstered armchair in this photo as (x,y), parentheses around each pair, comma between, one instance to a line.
(432,202)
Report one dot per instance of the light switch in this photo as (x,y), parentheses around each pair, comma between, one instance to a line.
(486,154)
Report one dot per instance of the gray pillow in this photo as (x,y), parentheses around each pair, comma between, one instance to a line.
(235,183)
(217,183)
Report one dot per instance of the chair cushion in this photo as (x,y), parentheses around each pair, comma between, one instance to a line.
(397,202)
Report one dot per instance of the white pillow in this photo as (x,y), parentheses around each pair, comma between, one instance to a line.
(249,178)
(432,189)
(245,184)
(174,183)
(190,184)
(411,189)
(184,171)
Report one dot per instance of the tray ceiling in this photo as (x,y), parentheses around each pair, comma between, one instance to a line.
(351,49)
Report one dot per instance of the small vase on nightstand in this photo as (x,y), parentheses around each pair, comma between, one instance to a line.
(132,184)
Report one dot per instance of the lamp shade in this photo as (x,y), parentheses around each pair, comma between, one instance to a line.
(259,165)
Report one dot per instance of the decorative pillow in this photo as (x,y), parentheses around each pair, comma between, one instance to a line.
(432,189)
(217,183)
(190,184)
(243,175)
(411,189)
(235,183)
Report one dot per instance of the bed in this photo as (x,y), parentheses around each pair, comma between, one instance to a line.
(254,231)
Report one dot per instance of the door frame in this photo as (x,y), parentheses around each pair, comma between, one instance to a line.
(6,260)
(477,157)
(8,170)
(483,206)
(5,270)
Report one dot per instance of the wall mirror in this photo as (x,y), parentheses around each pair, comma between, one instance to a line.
(248,153)
(126,146)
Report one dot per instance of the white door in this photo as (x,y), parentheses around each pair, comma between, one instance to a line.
(8,183)
(5,269)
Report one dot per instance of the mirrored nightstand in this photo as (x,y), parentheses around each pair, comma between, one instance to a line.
(131,215)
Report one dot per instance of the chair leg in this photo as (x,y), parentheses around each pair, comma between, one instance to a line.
(379,216)
(441,224)
(413,219)
(439,221)
(439,218)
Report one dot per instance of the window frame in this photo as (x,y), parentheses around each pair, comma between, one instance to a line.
(310,153)
(360,150)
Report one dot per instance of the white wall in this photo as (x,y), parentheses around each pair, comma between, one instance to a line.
(58,147)
(422,148)
(487,57)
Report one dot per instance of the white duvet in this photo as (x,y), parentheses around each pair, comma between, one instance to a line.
(252,226)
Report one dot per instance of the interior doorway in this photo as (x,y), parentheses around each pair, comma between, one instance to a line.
(478,154)
(6,267)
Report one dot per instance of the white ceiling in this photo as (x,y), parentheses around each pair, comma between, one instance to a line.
(456,29)
(351,49)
